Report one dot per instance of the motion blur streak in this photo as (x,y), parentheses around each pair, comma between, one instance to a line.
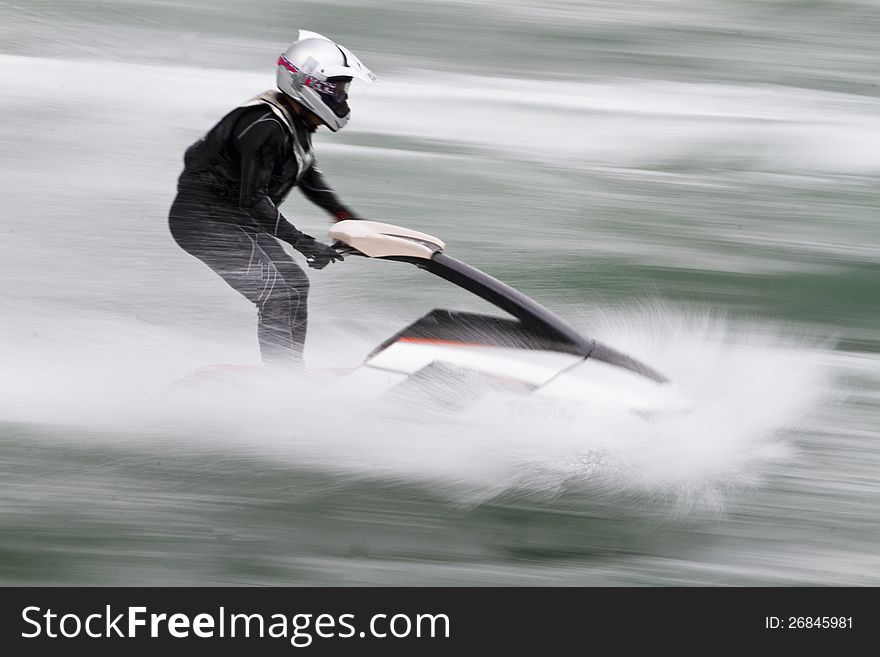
(693,182)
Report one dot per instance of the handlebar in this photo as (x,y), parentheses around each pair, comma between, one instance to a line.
(345,249)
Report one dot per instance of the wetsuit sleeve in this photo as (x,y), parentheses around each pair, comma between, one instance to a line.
(261,141)
(315,188)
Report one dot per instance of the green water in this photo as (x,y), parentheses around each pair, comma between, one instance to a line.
(693,182)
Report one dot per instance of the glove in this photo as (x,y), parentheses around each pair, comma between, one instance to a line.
(344,215)
(318,255)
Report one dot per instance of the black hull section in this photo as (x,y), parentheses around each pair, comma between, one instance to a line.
(447,326)
(536,328)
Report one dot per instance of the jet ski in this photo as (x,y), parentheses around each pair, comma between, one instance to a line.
(459,355)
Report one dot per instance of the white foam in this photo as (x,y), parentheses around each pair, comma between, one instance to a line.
(627,123)
(753,390)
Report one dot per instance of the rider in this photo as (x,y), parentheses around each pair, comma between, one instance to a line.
(235,177)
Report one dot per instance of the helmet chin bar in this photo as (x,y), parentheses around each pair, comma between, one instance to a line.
(312,102)
(310,119)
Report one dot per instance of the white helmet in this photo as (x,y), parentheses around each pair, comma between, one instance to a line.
(316,72)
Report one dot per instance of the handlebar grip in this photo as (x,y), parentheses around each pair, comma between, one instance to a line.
(345,249)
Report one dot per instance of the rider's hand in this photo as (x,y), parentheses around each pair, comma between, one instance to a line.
(343,215)
(317,254)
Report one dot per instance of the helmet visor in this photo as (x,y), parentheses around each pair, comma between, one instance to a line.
(335,95)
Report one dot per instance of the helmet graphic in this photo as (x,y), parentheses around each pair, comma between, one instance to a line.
(316,72)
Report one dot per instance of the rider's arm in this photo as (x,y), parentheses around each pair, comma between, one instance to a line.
(314,186)
(261,141)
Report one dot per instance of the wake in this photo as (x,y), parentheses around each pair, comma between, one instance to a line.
(753,389)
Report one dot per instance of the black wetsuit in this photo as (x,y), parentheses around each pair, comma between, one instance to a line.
(226,214)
